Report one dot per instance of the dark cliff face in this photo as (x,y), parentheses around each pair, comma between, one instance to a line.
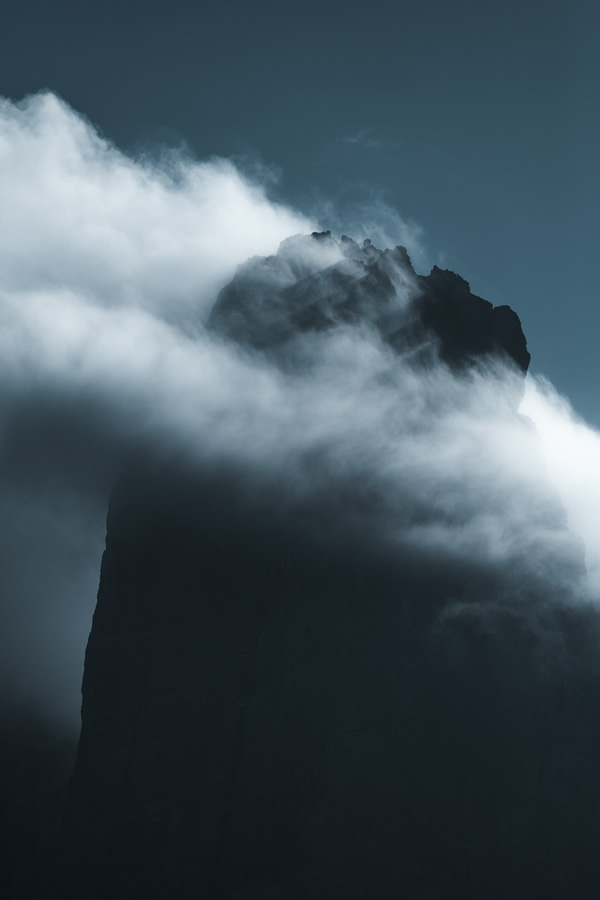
(279,704)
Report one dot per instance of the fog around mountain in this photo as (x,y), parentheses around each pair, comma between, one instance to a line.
(310,380)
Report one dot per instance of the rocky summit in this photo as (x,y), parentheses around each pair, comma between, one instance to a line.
(315,282)
(279,704)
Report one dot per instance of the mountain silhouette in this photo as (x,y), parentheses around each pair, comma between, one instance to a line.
(285,700)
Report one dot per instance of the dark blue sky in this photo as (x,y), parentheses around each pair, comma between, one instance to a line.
(477,120)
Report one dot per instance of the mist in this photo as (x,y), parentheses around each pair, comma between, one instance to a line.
(109,267)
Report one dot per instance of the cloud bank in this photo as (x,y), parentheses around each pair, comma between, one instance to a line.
(109,266)
(159,234)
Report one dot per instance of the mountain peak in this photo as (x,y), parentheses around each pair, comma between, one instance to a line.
(315,283)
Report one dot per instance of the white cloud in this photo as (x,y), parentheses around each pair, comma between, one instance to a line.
(571,451)
(77,214)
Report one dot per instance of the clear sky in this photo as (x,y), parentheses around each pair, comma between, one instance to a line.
(476,120)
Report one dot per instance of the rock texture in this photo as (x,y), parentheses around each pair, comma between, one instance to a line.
(275,709)
(310,288)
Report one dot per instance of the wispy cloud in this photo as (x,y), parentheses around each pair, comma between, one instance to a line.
(364,139)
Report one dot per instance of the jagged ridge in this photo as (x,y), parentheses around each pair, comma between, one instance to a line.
(315,282)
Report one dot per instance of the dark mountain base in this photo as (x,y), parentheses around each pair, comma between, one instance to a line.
(320,731)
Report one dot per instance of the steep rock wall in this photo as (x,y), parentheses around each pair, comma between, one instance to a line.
(274,704)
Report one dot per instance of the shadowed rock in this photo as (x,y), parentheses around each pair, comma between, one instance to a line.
(316,283)
(278,704)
